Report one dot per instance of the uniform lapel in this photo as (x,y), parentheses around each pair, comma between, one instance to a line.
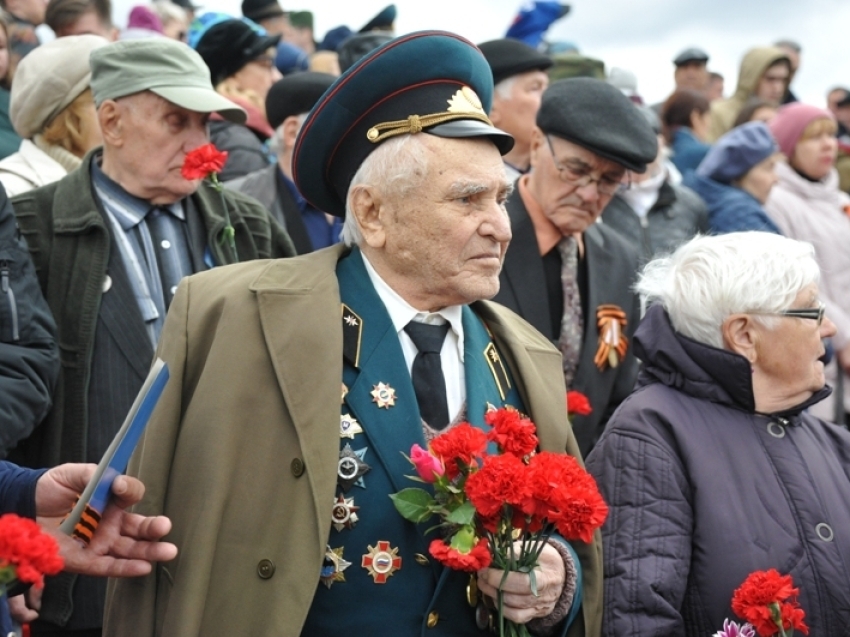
(390,430)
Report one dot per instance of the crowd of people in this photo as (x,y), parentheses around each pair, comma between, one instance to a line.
(684,265)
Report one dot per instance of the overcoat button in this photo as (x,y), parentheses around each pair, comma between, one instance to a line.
(265,569)
(421,559)
(824,532)
(297,467)
(433,618)
(107,283)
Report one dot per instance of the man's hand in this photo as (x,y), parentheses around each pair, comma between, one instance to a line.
(124,544)
(24,608)
(520,604)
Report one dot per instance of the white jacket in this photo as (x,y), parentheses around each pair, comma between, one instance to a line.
(28,169)
(819,213)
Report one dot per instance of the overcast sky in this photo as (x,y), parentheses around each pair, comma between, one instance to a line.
(640,35)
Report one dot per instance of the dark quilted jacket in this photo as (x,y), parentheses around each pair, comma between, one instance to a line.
(703,491)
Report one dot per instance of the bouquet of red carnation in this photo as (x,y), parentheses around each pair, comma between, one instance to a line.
(27,554)
(205,162)
(768,601)
(488,504)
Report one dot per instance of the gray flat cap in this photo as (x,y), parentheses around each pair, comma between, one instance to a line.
(692,54)
(597,116)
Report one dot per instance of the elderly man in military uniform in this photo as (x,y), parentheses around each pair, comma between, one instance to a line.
(567,275)
(298,384)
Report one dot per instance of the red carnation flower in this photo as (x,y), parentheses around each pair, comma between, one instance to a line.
(578,404)
(202,162)
(566,495)
(25,548)
(501,480)
(479,557)
(462,443)
(513,433)
(764,594)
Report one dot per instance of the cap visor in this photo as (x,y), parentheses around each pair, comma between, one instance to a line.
(473,128)
(202,100)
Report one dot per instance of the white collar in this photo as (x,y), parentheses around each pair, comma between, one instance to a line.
(401,312)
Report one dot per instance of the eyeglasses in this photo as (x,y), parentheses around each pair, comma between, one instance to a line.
(580,177)
(814,313)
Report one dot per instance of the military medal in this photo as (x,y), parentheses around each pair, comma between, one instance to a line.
(351,468)
(381,561)
(348,426)
(344,515)
(333,566)
(383,395)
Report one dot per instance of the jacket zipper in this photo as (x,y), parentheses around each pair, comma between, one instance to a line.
(6,288)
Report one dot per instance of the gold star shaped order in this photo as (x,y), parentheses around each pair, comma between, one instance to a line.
(333,566)
(350,320)
(383,395)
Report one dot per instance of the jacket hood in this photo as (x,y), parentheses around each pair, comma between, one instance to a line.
(753,66)
(697,369)
(825,190)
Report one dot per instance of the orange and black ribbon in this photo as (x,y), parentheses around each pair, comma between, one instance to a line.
(613,343)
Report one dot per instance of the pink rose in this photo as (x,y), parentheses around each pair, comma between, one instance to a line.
(427,466)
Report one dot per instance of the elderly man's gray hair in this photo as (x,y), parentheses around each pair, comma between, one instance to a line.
(397,167)
(712,277)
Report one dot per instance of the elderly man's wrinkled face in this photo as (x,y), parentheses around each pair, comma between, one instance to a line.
(788,354)
(145,145)
(558,169)
(443,244)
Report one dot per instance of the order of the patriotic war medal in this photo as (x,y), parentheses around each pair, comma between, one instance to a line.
(348,426)
(381,561)
(383,395)
(351,468)
(333,566)
(344,515)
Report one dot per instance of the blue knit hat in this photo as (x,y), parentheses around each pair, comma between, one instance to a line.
(737,152)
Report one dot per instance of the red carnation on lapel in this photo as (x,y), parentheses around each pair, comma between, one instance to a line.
(767,598)
(202,162)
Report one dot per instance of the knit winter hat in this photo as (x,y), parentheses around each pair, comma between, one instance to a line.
(790,122)
(737,152)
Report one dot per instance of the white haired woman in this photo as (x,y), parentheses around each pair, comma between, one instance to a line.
(52,109)
(713,468)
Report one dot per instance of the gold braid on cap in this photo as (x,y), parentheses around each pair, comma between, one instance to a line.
(464,104)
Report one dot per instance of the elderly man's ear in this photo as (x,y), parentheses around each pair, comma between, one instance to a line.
(112,123)
(741,335)
(370,209)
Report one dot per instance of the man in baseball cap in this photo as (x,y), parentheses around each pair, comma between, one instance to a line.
(299,527)
(113,239)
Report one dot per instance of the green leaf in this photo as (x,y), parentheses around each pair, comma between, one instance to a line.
(464,514)
(413,504)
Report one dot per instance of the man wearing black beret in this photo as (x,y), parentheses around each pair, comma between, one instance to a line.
(287,104)
(519,76)
(567,275)
(299,384)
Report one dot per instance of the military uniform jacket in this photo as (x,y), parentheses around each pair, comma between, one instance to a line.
(243,451)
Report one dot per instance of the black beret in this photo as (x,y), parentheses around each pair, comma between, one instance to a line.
(508,57)
(228,46)
(427,82)
(261,9)
(382,21)
(597,116)
(690,55)
(295,94)
(356,46)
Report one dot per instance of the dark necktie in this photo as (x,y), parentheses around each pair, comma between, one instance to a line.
(572,321)
(427,372)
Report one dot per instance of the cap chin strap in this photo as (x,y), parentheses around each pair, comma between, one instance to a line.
(416,124)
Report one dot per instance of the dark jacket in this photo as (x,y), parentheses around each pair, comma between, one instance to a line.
(29,351)
(17,489)
(676,216)
(703,491)
(730,209)
(245,152)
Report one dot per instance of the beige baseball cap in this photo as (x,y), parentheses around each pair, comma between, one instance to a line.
(163,66)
